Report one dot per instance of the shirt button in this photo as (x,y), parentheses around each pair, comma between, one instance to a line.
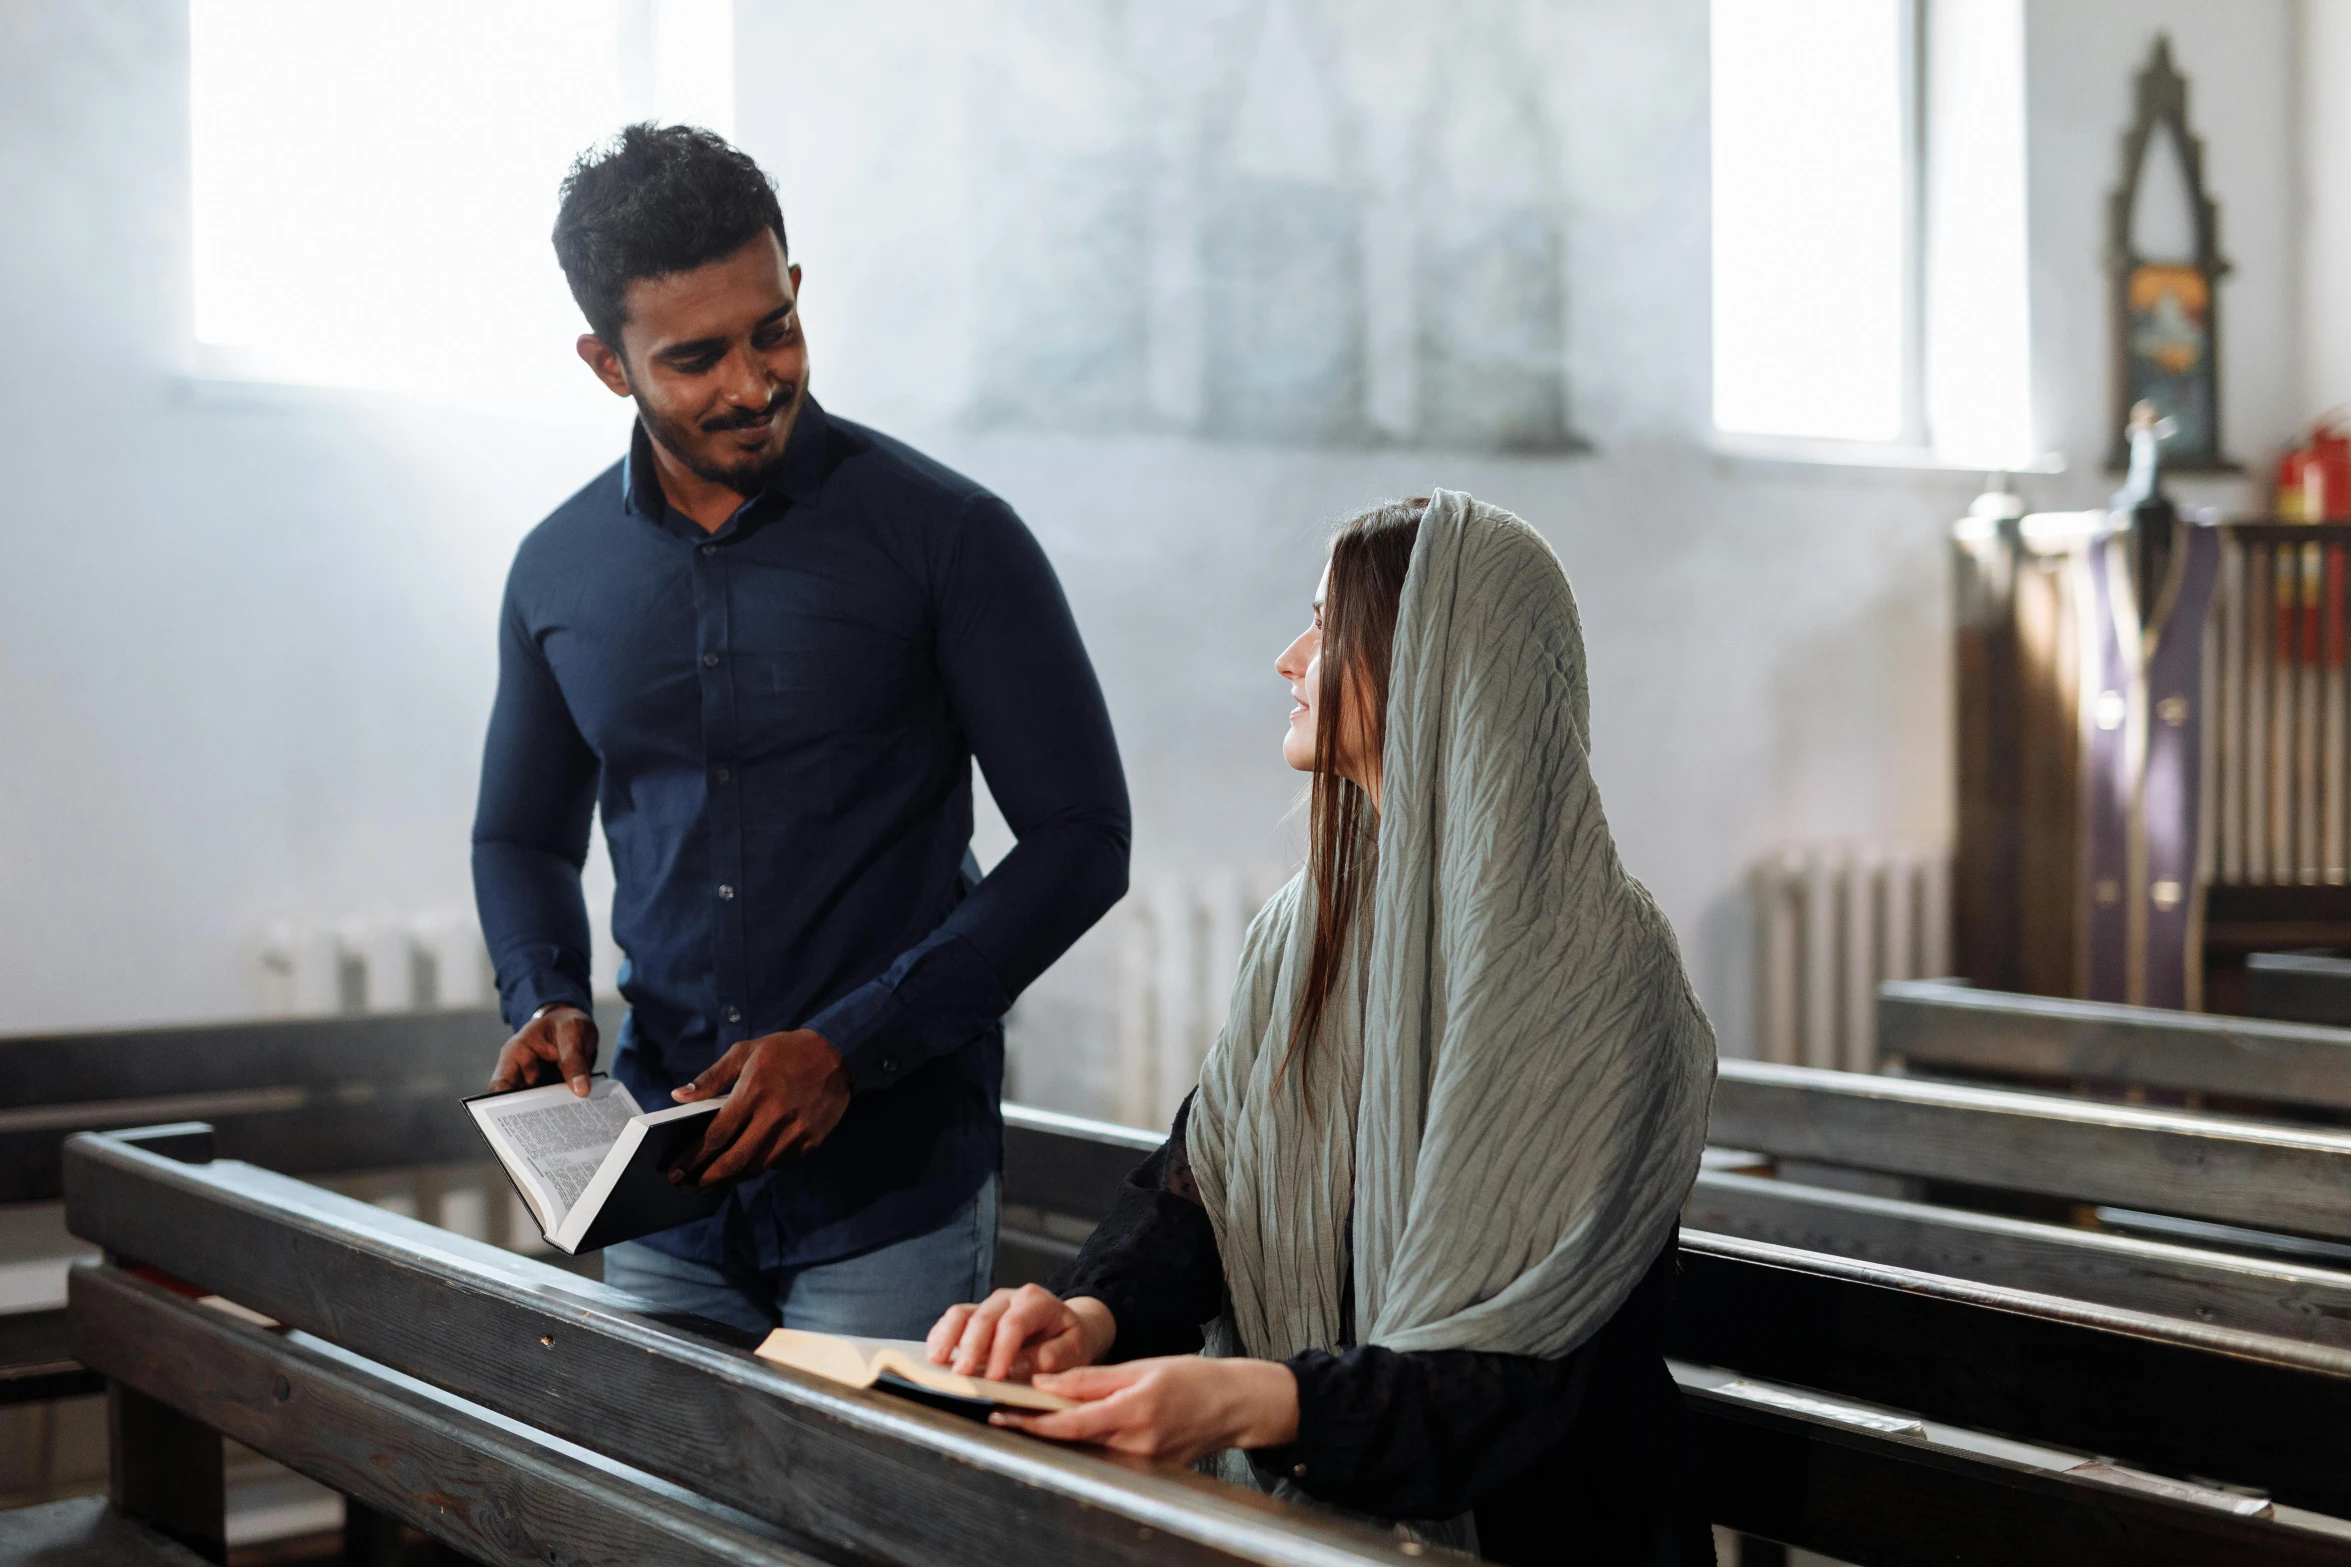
(726,889)
(734,1014)
(710,549)
(724,775)
(710,660)
(888,1065)
(1297,1471)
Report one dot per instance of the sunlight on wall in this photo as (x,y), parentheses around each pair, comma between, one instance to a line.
(374,185)
(1979,404)
(1810,218)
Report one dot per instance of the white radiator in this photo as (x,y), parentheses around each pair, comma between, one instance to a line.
(1178,946)
(390,964)
(373,965)
(1831,923)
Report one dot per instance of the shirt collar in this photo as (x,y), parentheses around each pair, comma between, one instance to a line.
(796,476)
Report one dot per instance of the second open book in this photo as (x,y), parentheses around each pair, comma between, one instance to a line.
(900,1365)
(595,1170)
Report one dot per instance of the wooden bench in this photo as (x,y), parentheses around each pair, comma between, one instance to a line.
(521,1414)
(2265,1175)
(2301,987)
(508,1408)
(2223,1220)
(1853,1415)
(331,1096)
(1952,1031)
(2254,1294)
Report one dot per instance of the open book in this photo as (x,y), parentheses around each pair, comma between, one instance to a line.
(901,1365)
(595,1171)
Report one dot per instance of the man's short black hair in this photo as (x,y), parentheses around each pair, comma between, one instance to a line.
(653,200)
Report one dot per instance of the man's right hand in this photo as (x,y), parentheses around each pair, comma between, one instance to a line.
(1014,1334)
(560,1037)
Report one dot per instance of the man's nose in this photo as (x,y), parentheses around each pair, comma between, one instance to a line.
(744,381)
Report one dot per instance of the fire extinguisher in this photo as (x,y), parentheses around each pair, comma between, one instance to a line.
(2314,477)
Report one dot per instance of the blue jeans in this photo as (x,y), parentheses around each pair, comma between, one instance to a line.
(892,1291)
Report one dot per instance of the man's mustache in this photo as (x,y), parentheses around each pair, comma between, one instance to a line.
(746,418)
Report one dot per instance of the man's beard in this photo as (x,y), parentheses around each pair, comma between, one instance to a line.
(745,478)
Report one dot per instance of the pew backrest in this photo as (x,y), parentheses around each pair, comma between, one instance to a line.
(2173,1396)
(302,1096)
(2266,1295)
(1939,1028)
(2300,987)
(2253,1173)
(307,1096)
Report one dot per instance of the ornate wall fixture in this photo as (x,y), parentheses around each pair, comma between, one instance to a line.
(2163,253)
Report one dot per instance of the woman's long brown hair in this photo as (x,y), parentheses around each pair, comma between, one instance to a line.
(1369,556)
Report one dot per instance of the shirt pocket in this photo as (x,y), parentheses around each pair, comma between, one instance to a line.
(815,711)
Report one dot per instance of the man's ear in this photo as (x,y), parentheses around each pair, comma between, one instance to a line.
(599,356)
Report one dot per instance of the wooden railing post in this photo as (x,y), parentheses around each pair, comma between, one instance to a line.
(166,1471)
(371,1538)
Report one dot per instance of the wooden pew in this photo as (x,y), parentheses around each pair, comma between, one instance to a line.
(2266,1295)
(2294,1179)
(1791,1457)
(522,1415)
(304,1096)
(1950,1030)
(2301,987)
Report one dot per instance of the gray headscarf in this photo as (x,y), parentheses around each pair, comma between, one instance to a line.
(1510,1092)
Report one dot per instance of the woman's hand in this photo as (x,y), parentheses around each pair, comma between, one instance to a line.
(1179,1408)
(1015,1333)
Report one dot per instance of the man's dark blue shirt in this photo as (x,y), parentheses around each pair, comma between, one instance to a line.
(778,722)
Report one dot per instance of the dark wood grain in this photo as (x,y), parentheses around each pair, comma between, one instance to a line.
(489,1488)
(2252,1295)
(1065,1164)
(2300,987)
(165,1471)
(2255,1173)
(843,1473)
(1885,1501)
(1936,1027)
(2167,1395)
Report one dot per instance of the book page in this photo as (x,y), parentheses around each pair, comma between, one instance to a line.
(554,1139)
(631,1193)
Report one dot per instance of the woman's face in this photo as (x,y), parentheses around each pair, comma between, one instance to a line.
(1301,665)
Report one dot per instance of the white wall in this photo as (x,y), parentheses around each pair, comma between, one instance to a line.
(246,646)
(2325,49)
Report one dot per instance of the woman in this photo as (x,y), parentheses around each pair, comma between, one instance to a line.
(1424,1197)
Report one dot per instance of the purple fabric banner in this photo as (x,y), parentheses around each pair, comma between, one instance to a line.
(2142,769)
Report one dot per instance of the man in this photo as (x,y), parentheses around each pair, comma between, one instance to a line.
(769,644)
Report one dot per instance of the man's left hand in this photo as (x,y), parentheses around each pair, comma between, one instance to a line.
(790,1091)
